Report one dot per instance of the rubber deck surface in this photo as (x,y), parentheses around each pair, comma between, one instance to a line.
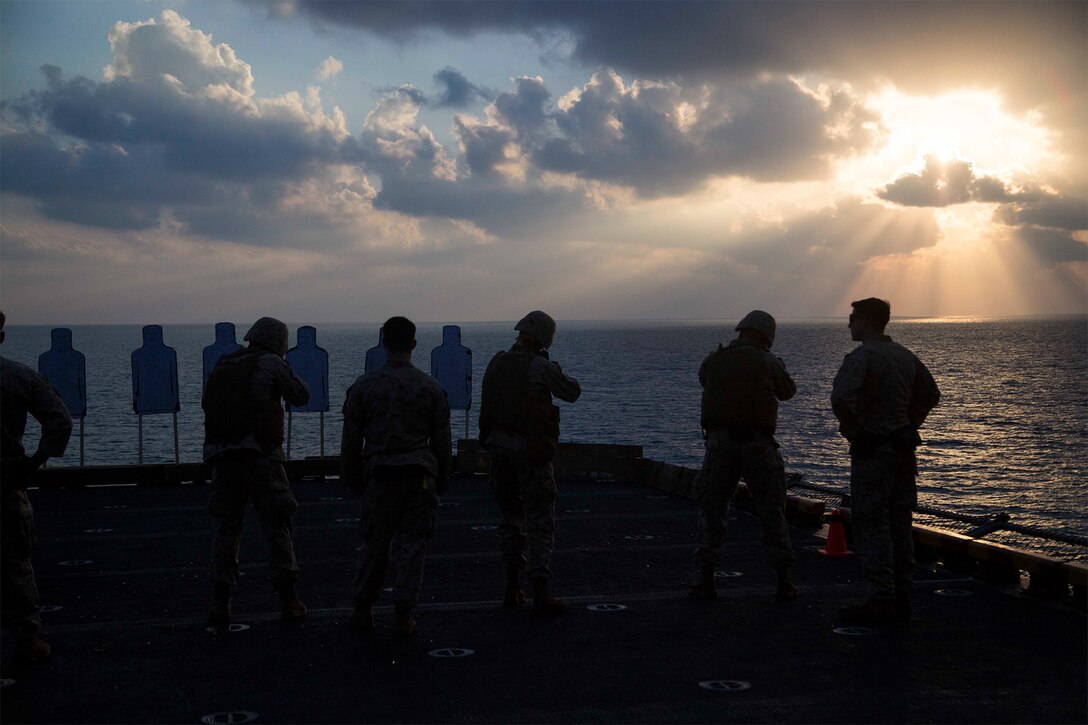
(127,568)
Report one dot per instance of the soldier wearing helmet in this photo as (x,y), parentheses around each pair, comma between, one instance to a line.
(243,442)
(881,396)
(519,425)
(742,385)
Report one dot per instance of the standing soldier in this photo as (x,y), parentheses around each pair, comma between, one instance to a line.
(24,391)
(520,428)
(881,396)
(243,441)
(742,384)
(395,450)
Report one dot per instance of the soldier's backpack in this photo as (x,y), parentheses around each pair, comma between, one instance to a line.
(230,412)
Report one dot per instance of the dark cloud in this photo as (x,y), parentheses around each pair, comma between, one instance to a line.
(458,91)
(1034,51)
(944,183)
(525,110)
(484,146)
(1068,213)
(1046,226)
(488,202)
(1043,220)
(744,37)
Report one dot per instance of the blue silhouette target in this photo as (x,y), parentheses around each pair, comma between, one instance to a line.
(375,356)
(451,365)
(155,375)
(66,370)
(311,364)
(226,342)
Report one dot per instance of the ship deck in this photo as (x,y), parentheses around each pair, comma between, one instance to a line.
(122,574)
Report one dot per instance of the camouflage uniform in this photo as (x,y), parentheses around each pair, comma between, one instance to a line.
(524,490)
(396,449)
(881,396)
(22,391)
(740,443)
(251,469)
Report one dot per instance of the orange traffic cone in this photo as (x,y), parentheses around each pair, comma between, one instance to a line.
(836,537)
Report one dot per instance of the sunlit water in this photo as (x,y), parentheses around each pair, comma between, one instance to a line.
(1011,432)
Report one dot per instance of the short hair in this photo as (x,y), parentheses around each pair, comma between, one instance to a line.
(398,334)
(874,309)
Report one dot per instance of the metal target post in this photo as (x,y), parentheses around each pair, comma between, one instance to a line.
(177,450)
(140,436)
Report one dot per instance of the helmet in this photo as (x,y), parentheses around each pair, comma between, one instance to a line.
(540,325)
(269,333)
(759,321)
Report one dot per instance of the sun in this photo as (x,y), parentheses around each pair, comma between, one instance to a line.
(971,125)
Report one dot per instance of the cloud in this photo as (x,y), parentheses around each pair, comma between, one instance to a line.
(944,183)
(458,91)
(149,52)
(1054,228)
(1035,52)
(329,68)
(662,139)
(173,130)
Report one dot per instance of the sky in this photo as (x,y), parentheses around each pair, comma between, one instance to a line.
(191,161)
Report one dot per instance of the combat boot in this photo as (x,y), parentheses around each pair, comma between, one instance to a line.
(30,651)
(362,617)
(876,610)
(785,591)
(703,588)
(406,626)
(219,614)
(291,607)
(543,604)
(514,597)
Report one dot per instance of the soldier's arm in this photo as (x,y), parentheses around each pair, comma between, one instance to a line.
(845,395)
(784,387)
(705,365)
(49,410)
(291,386)
(560,384)
(351,442)
(924,396)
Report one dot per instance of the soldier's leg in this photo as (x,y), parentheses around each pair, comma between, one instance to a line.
(765,474)
(870,495)
(904,500)
(715,487)
(19,590)
(381,510)
(276,505)
(227,508)
(537,483)
(505,488)
(417,525)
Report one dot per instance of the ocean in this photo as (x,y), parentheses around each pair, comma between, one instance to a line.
(1010,434)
